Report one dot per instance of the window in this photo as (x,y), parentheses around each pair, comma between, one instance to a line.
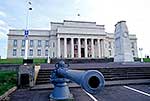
(23,43)
(89,42)
(95,42)
(46,52)
(31,52)
(109,52)
(132,44)
(31,43)
(82,42)
(22,52)
(109,45)
(53,54)
(39,43)
(39,52)
(133,53)
(46,43)
(53,44)
(14,52)
(15,43)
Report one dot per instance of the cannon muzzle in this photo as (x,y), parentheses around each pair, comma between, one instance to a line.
(91,81)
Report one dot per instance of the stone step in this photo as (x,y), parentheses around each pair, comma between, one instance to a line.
(47,80)
(44,73)
(127,78)
(49,86)
(43,79)
(43,76)
(126,75)
(109,74)
(47,76)
(43,82)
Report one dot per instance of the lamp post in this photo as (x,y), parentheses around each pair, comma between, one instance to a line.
(141,49)
(26,32)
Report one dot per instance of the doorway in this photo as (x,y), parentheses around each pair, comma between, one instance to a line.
(82,52)
(24,79)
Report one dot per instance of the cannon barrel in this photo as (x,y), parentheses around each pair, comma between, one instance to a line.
(91,81)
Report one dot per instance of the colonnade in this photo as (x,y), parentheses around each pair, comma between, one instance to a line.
(80,48)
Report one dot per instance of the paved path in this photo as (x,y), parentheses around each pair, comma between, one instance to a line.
(111,93)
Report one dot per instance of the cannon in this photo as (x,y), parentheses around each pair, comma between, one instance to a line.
(92,81)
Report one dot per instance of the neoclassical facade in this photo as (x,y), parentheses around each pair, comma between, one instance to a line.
(69,39)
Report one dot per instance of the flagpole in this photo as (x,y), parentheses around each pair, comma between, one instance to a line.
(26,32)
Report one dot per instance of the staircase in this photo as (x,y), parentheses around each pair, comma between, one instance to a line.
(43,76)
(129,73)
(110,74)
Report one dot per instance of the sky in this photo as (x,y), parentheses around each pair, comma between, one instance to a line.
(136,13)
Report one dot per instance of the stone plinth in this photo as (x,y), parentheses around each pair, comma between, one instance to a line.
(26,76)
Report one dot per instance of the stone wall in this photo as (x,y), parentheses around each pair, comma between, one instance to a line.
(12,67)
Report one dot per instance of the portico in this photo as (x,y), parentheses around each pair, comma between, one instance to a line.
(79,47)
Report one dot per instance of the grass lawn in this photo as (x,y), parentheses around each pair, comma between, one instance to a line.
(11,61)
(7,80)
(38,61)
(146,59)
(20,61)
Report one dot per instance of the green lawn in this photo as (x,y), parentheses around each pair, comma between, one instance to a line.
(11,61)
(7,80)
(20,61)
(146,59)
(38,61)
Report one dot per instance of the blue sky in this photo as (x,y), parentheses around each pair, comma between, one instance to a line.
(107,12)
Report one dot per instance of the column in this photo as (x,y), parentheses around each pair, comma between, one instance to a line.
(58,47)
(85,40)
(65,47)
(98,42)
(79,48)
(102,48)
(92,48)
(72,47)
(104,52)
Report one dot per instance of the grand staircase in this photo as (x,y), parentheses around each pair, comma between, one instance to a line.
(110,74)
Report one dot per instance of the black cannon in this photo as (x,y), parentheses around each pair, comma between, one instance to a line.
(92,81)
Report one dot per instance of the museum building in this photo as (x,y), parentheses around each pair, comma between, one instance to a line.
(67,39)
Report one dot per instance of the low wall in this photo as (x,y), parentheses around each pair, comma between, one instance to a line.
(12,67)
(105,60)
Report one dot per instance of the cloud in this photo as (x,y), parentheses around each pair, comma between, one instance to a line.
(2,14)
(2,35)
(3,29)
(77,1)
(2,23)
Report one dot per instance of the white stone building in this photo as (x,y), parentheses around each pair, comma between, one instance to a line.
(69,39)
